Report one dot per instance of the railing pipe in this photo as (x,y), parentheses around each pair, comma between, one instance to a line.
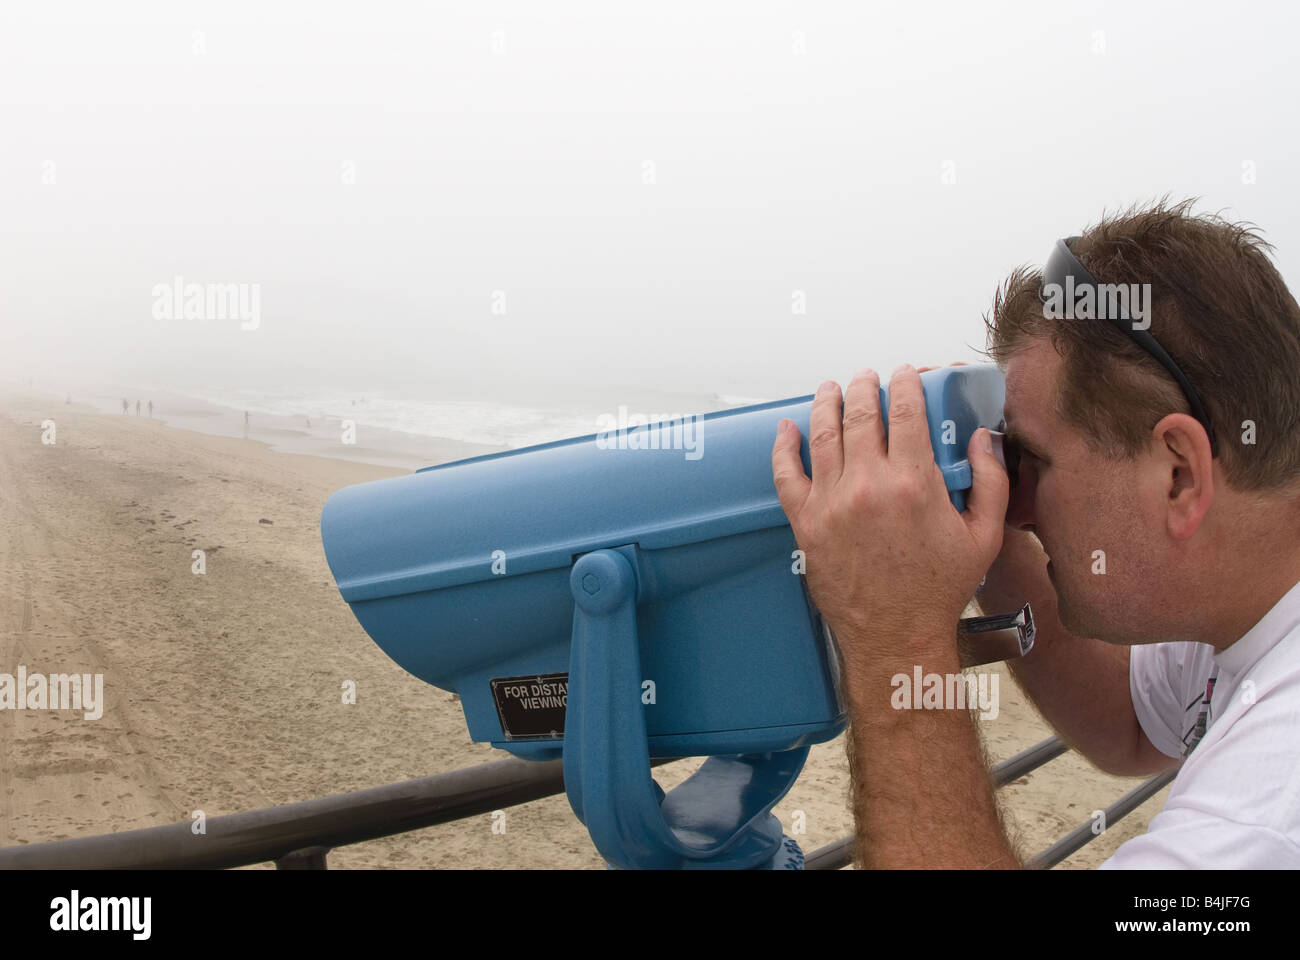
(299,833)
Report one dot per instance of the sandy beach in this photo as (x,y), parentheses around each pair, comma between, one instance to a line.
(222,690)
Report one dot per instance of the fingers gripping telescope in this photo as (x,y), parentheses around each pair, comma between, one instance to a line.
(612,603)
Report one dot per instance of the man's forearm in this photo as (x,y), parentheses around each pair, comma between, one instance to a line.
(922,795)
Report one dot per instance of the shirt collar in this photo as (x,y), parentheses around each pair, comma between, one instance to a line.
(1263,636)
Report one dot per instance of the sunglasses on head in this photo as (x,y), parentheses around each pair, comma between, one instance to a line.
(1063,271)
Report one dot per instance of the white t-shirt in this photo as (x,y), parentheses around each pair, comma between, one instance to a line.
(1236,800)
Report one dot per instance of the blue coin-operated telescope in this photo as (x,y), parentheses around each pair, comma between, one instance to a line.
(629,595)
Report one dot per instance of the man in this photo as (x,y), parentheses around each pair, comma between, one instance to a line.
(1154,525)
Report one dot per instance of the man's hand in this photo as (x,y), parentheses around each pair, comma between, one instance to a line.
(889,561)
(891,564)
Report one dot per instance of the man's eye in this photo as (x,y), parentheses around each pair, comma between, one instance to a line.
(1011,453)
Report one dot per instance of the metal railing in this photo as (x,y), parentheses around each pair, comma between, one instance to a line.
(839,854)
(299,836)
(1085,832)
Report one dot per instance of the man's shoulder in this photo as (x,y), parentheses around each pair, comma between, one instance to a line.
(1262,703)
(1248,762)
(1236,799)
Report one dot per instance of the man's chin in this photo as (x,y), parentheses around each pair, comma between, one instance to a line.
(1079,624)
(1068,616)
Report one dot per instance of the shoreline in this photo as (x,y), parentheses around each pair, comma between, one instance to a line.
(450,429)
(323,437)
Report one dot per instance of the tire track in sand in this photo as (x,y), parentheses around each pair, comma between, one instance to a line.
(57,638)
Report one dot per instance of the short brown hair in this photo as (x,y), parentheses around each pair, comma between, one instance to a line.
(1218,306)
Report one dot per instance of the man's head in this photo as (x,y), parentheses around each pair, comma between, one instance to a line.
(1118,480)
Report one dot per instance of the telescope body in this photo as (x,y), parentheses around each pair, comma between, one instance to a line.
(461,573)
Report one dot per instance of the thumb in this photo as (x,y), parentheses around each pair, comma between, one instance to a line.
(986,505)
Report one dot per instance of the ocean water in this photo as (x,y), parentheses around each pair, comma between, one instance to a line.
(488,422)
(495,423)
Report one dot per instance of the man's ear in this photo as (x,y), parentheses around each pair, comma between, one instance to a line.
(1182,451)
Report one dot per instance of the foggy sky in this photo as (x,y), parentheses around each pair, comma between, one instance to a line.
(383,170)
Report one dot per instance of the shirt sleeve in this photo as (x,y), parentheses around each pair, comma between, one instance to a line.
(1155,679)
(1235,803)
(1186,839)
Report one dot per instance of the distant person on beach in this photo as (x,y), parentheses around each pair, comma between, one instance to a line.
(151,409)
(1148,512)
(125,406)
(137,408)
